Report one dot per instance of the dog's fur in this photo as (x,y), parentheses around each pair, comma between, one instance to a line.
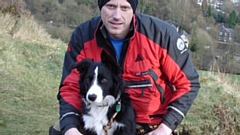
(101,87)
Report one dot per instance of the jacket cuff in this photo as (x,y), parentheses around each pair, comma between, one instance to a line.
(69,122)
(172,119)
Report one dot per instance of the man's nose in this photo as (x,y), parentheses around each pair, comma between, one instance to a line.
(117,14)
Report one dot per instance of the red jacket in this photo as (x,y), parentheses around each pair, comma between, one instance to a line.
(159,73)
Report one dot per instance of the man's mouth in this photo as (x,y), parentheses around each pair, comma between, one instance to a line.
(115,24)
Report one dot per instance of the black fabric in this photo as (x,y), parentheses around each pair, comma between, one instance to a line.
(172,119)
(133,3)
(131,84)
(160,89)
(52,131)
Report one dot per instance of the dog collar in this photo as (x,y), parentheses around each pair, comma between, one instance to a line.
(103,105)
(109,124)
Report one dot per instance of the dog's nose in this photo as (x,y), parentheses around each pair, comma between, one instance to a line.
(92,97)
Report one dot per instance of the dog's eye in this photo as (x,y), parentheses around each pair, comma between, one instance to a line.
(88,79)
(104,80)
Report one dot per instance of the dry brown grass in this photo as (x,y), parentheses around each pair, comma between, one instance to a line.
(216,110)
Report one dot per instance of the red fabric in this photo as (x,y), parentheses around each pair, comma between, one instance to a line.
(150,103)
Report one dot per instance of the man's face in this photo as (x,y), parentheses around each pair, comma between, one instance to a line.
(117,16)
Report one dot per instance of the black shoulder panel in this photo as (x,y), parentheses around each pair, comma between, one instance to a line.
(156,29)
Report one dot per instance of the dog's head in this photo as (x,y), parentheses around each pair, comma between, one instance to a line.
(100,82)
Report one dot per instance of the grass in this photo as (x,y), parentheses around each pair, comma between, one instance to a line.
(30,72)
(216,109)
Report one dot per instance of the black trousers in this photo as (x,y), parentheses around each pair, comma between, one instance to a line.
(53,131)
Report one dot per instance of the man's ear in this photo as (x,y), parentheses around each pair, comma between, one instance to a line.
(111,63)
(83,65)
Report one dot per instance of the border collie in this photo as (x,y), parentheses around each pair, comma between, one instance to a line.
(106,108)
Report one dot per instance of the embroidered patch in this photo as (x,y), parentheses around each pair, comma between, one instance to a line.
(180,44)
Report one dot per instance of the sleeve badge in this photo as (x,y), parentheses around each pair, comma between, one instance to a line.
(180,44)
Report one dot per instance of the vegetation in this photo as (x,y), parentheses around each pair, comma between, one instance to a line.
(30,72)
(232,19)
(216,110)
(59,19)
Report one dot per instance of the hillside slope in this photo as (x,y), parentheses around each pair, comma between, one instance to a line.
(30,72)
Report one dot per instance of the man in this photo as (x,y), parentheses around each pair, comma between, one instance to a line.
(159,74)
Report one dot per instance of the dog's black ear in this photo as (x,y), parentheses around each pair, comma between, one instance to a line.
(110,62)
(83,65)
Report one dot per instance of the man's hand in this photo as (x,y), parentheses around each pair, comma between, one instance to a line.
(73,131)
(161,130)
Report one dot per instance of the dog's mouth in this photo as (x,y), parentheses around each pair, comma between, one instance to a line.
(107,101)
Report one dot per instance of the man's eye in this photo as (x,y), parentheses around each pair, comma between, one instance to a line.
(125,8)
(110,6)
(104,80)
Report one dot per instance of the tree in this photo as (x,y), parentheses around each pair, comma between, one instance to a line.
(193,47)
(237,34)
(204,6)
(148,9)
(220,17)
(232,19)
(60,1)
(209,11)
(142,5)
(181,13)
(227,6)
(202,46)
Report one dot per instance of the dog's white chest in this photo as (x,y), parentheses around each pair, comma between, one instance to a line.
(95,123)
(98,126)
(97,120)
